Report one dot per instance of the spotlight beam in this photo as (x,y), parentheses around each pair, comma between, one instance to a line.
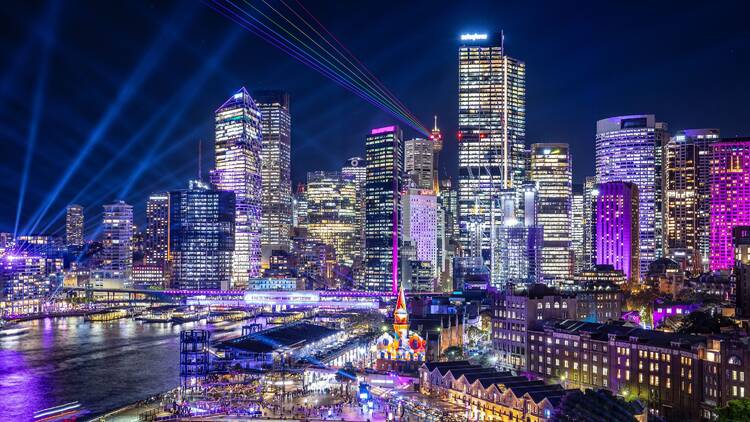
(142,71)
(38,100)
(193,87)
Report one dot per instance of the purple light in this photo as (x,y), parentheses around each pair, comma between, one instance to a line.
(730,198)
(617,239)
(383,129)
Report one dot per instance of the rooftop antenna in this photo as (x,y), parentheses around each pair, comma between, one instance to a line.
(200,160)
(436,128)
(502,41)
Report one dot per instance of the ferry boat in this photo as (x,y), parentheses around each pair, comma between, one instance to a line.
(160,316)
(11,328)
(180,316)
(107,316)
(216,317)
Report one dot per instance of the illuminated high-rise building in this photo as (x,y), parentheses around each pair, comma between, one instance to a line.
(589,221)
(629,149)
(617,222)
(420,223)
(157,229)
(74,226)
(577,229)
(201,240)
(384,155)
(730,197)
(357,169)
(332,213)
(117,234)
(276,125)
(687,185)
(491,133)
(238,170)
(551,171)
(299,207)
(519,241)
(419,162)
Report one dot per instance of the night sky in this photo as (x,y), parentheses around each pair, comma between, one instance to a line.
(108,99)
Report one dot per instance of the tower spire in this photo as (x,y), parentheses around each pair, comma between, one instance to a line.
(435,129)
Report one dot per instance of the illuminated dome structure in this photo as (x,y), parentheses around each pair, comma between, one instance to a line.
(401,345)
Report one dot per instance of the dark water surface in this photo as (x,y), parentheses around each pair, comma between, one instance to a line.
(103,365)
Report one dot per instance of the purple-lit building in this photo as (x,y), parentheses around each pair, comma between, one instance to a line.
(383,183)
(730,197)
(237,126)
(617,235)
(626,151)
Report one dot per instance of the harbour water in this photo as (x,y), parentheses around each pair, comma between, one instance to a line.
(103,365)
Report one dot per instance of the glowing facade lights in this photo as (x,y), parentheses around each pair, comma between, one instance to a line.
(238,170)
(473,37)
(383,152)
(626,149)
(617,222)
(730,197)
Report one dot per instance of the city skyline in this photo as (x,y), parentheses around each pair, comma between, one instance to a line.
(45,197)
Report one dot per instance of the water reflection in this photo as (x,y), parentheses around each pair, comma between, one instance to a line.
(103,365)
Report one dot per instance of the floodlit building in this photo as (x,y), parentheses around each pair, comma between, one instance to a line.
(730,197)
(628,149)
(238,170)
(156,251)
(418,162)
(357,169)
(117,234)
(276,127)
(420,212)
(617,238)
(491,133)
(202,237)
(384,155)
(687,184)
(74,226)
(332,213)
(551,171)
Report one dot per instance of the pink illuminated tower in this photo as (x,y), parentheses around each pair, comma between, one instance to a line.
(617,234)
(730,197)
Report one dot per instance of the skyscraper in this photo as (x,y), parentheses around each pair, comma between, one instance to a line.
(74,226)
(730,197)
(577,229)
(617,243)
(687,167)
(332,213)
(201,240)
(491,132)
(629,149)
(238,170)
(551,171)
(117,234)
(276,169)
(357,169)
(384,155)
(420,221)
(418,162)
(589,221)
(157,229)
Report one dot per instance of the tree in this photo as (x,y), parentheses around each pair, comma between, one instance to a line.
(735,411)
(453,353)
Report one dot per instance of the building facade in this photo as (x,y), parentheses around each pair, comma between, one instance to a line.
(74,226)
(418,163)
(276,156)
(491,134)
(117,235)
(238,170)
(201,238)
(384,155)
(687,168)
(629,149)
(332,213)
(617,236)
(420,213)
(551,170)
(730,197)
(156,248)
